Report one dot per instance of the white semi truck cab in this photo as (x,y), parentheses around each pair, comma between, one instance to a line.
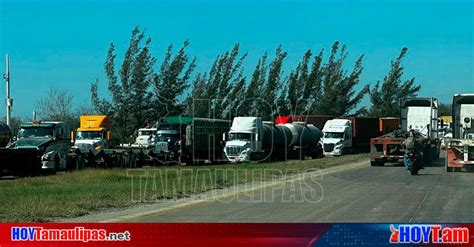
(460,149)
(420,114)
(348,135)
(337,137)
(244,138)
(146,137)
(93,133)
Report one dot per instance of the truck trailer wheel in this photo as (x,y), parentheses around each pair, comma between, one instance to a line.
(376,163)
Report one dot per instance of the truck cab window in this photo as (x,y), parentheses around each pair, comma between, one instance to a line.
(239,136)
(333,135)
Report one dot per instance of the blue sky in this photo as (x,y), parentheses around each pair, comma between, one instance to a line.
(63,44)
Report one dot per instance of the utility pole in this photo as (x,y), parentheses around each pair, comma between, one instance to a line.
(8,100)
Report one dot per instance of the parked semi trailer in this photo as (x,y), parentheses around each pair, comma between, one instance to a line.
(418,114)
(460,149)
(251,139)
(39,146)
(92,141)
(349,135)
(190,140)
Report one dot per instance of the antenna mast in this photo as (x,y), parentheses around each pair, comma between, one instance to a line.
(9,100)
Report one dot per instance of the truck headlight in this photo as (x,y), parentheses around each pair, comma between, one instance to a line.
(47,156)
(245,152)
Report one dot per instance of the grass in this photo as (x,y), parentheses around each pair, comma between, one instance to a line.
(43,199)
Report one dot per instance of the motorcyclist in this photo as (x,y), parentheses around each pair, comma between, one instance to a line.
(412,144)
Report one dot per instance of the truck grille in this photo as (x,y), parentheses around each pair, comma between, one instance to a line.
(233,150)
(84,147)
(328,147)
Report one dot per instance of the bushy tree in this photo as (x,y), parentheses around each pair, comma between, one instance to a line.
(317,88)
(215,86)
(254,88)
(445,109)
(385,96)
(338,93)
(272,85)
(172,81)
(131,104)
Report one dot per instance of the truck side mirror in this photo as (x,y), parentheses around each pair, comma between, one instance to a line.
(224,137)
(109,135)
(256,137)
(73,136)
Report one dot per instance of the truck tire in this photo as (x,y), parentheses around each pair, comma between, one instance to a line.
(412,167)
(56,164)
(374,163)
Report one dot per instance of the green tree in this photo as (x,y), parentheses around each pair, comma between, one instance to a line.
(445,109)
(131,105)
(195,103)
(254,89)
(385,96)
(215,87)
(338,94)
(272,85)
(172,81)
(298,84)
(303,87)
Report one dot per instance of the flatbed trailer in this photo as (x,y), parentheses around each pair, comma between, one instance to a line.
(390,148)
(386,148)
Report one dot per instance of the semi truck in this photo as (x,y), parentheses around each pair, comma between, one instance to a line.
(181,139)
(349,135)
(145,137)
(40,146)
(460,149)
(419,114)
(251,139)
(92,141)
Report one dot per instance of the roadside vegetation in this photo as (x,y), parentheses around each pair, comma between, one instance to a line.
(44,199)
(141,87)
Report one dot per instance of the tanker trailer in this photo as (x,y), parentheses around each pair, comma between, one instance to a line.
(305,138)
(251,139)
(5,135)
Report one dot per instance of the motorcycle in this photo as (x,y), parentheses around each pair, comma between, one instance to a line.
(412,161)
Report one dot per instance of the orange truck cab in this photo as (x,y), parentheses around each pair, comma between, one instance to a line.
(93,133)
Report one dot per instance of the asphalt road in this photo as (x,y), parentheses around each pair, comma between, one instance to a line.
(364,194)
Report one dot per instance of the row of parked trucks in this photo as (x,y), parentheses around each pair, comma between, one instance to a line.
(50,146)
(421,116)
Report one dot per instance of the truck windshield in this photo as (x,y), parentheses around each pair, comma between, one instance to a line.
(89,135)
(166,137)
(146,132)
(339,135)
(36,132)
(239,136)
